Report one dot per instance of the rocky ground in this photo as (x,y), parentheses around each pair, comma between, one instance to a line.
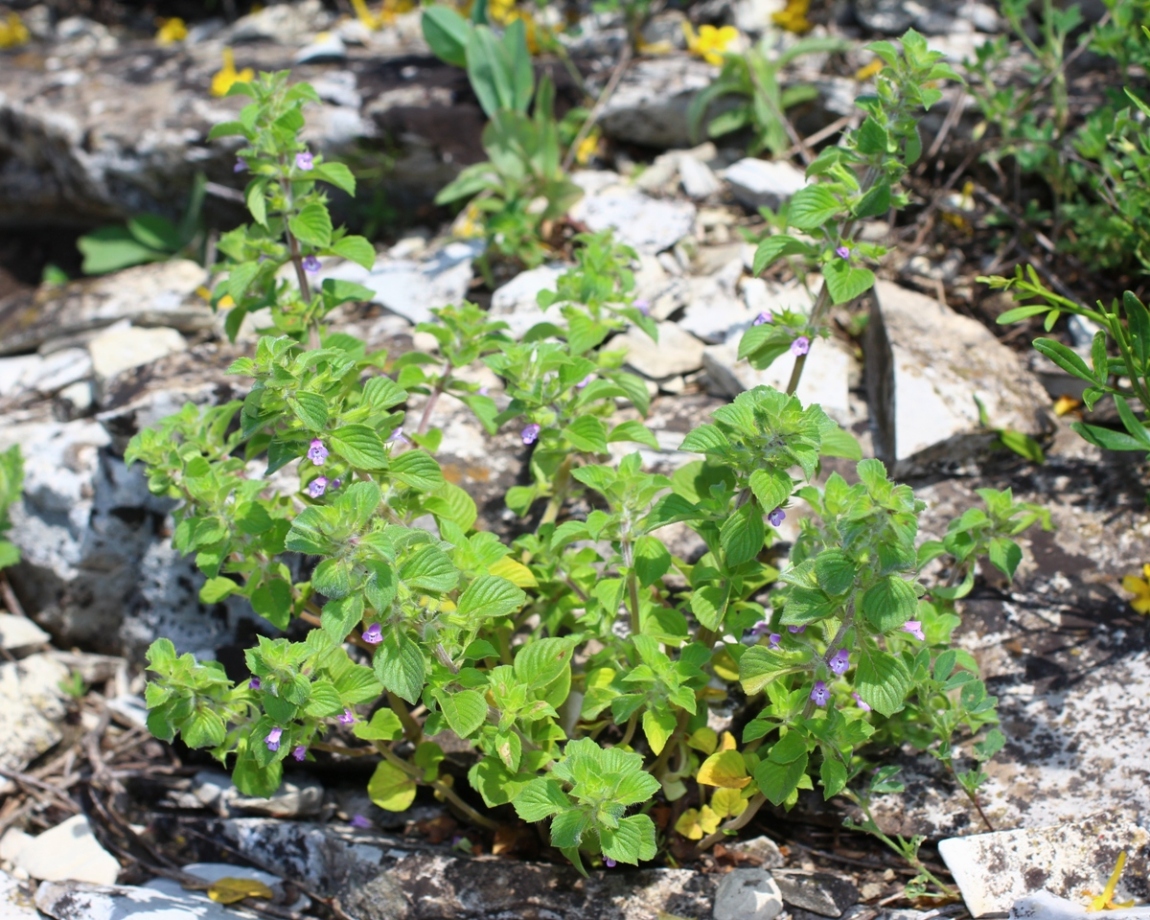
(97,123)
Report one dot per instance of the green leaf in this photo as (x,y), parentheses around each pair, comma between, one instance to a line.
(760,665)
(651,560)
(255,197)
(1021,313)
(1022,444)
(360,446)
(312,225)
(772,487)
(540,662)
(811,207)
(110,249)
(399,666)
(881,680)
(465,710)
(833,776)
(391,788)
(889,603)
(635,432)
(311,409)
(658,727)
(834,572)
(216,589)
(541,798)
(447,34)
(632,842)
(490,596)
(1005,555)
(1107,438)
(587,434)
(340,176)
(355,249)
(417,469)
(705,438)
(774,248)
(156,232)
(204,728)
(742,535)
(708,604)
(1064,358)
(778,780)
(430,569)
(384,726)
(340,616)
(871,137)
(874,203)
(845,282)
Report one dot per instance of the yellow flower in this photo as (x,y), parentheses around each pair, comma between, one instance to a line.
(794,17)
(171,31)
(710,43)
(870,70)
(587,148)
(228,76)
(1140,588)
(500,10)
(364,15)
(1105,901)
(468,225)
(13,32)
(1065,404)
(225,302)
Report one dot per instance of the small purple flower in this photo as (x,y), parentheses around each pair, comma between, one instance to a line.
(840,662)
(335,484)
(317,486)
(317,453)
(373,635)
(530,434)
(254,683)
(914,627)
(776,517)
(586,380)
(843,252)
(773,640)
(862,704)
(311,264)
(800,346)
(820,694)
(482,391)
(304,160)
(795,630)
(273,739)
(398,435)
(763,318)
(359,821)
(644,307)
(241,165)
(299,753)
(761,627)
(347,718)
(609,862)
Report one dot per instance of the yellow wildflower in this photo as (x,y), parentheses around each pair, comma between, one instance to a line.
(710,43)
(1065,404)
(228,76)
(1140,588)
(225,302)
(468,224)
(364,15)
(653,49)
(870,70)
(171,31)
(1105,901)
(794,17)
(500,10)
(13,32)
(587,148)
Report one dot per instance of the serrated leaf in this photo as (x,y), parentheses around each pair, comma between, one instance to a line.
(635,432)
(889,603)
(658,727)
(725,769)
(541,798)
(632,842)
(465,710)
(772,487)
(417,470)
(430,569)
(312,225)
(216,589)
(355,249)
(652,561)
(778,780)
(391,788)
(811,207)
(882,681)
(336,174)
(705,438)
(490,596)
(311,409)
(400,667)
(588,434)
(384,726)
(742,535)
(360,446)
(845,282)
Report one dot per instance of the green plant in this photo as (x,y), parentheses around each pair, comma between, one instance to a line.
(578,661)
(145,238)
(11,482)
(754,76)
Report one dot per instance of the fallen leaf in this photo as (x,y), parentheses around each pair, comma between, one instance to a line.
(232,890)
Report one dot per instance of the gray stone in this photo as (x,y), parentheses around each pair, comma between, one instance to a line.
(747,894)
(925,366)
(1042,905)
(14,370)
(80,901)
(888,16)
(131,707)
(15,901)
(1068,860)
(650,105)
(19,633)
(298,796)
(754,16)
(662,292)
(982,16)
(68,851)
(59,370)
(699,180)
(31,708)
(762,850)
(122,347)
(286,24)
(757,183)
(676,351)
(516,303)
(819,892)
(328,48)
(647,224)
(714,308)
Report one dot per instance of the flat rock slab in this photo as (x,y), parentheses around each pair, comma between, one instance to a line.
(676,351)
(648,224)
(31,709)
(822,893)
(19,633)
(925,366)
(68,851)
(1072,861)
(80,901)
(15,902)
(747,894)
(649,107)
(1043,905)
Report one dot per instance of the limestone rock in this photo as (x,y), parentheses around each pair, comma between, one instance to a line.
(15,902)
(762,850)
(31,708)
(821,893)
(715,308)
(756,183)
(81,901)
(747,894)
(298,796)
(68,851)
(1042,905)
(647,224)
(925,366)
(699,180)
(676,352)
(650,105)
(515,302)
(122,347)
(19,633)
(1067,860)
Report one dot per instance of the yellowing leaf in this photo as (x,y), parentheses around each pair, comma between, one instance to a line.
(726,769)
(870,70)
(600,677)
(695,823)
(728,803)
(704,739)
(391,788)
(725,667)
(515,572)
(232,890)
(727,742)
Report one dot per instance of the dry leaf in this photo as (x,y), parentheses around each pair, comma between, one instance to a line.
(232,890)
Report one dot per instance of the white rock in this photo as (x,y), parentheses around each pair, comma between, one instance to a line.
(80,901)
(339,87)
(747,894)
(30,708)
(676,352)
(699,180)
(58,370)
(516,303)
(645,223)
(663,292)
(13,841)
(15,903)
(764,849)
(69,851)
(120,348)
(297,796)
(649,107)
(756,183)
(19,633)
(925,365)
(79,396)
(714,308)
(327,48)
(14,370)
(131,707)
(994,870)
(1043,905)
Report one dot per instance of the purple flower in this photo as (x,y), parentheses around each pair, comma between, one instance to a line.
(586,380)
(763,318)
(304,160)
(761,627)
(530,434)
(800,346)
(398,435)
(241,165)
(311,264)
(609,862)
(273,739)
(773,640)
(299,753)
(776,517)
(347,718)
(373,635)
(359,821)
(317,486)
(843,252)
(840,662)
(914,627)
(482,391)
(336,483)
(862,704)
(795,630)
(644,307)
(820,694)
(317,453)
(254,683)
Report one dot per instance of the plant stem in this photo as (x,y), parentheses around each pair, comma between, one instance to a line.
(440,386)
(753,805)
(559,495)
(412,730)
(632,585)
(439,786)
